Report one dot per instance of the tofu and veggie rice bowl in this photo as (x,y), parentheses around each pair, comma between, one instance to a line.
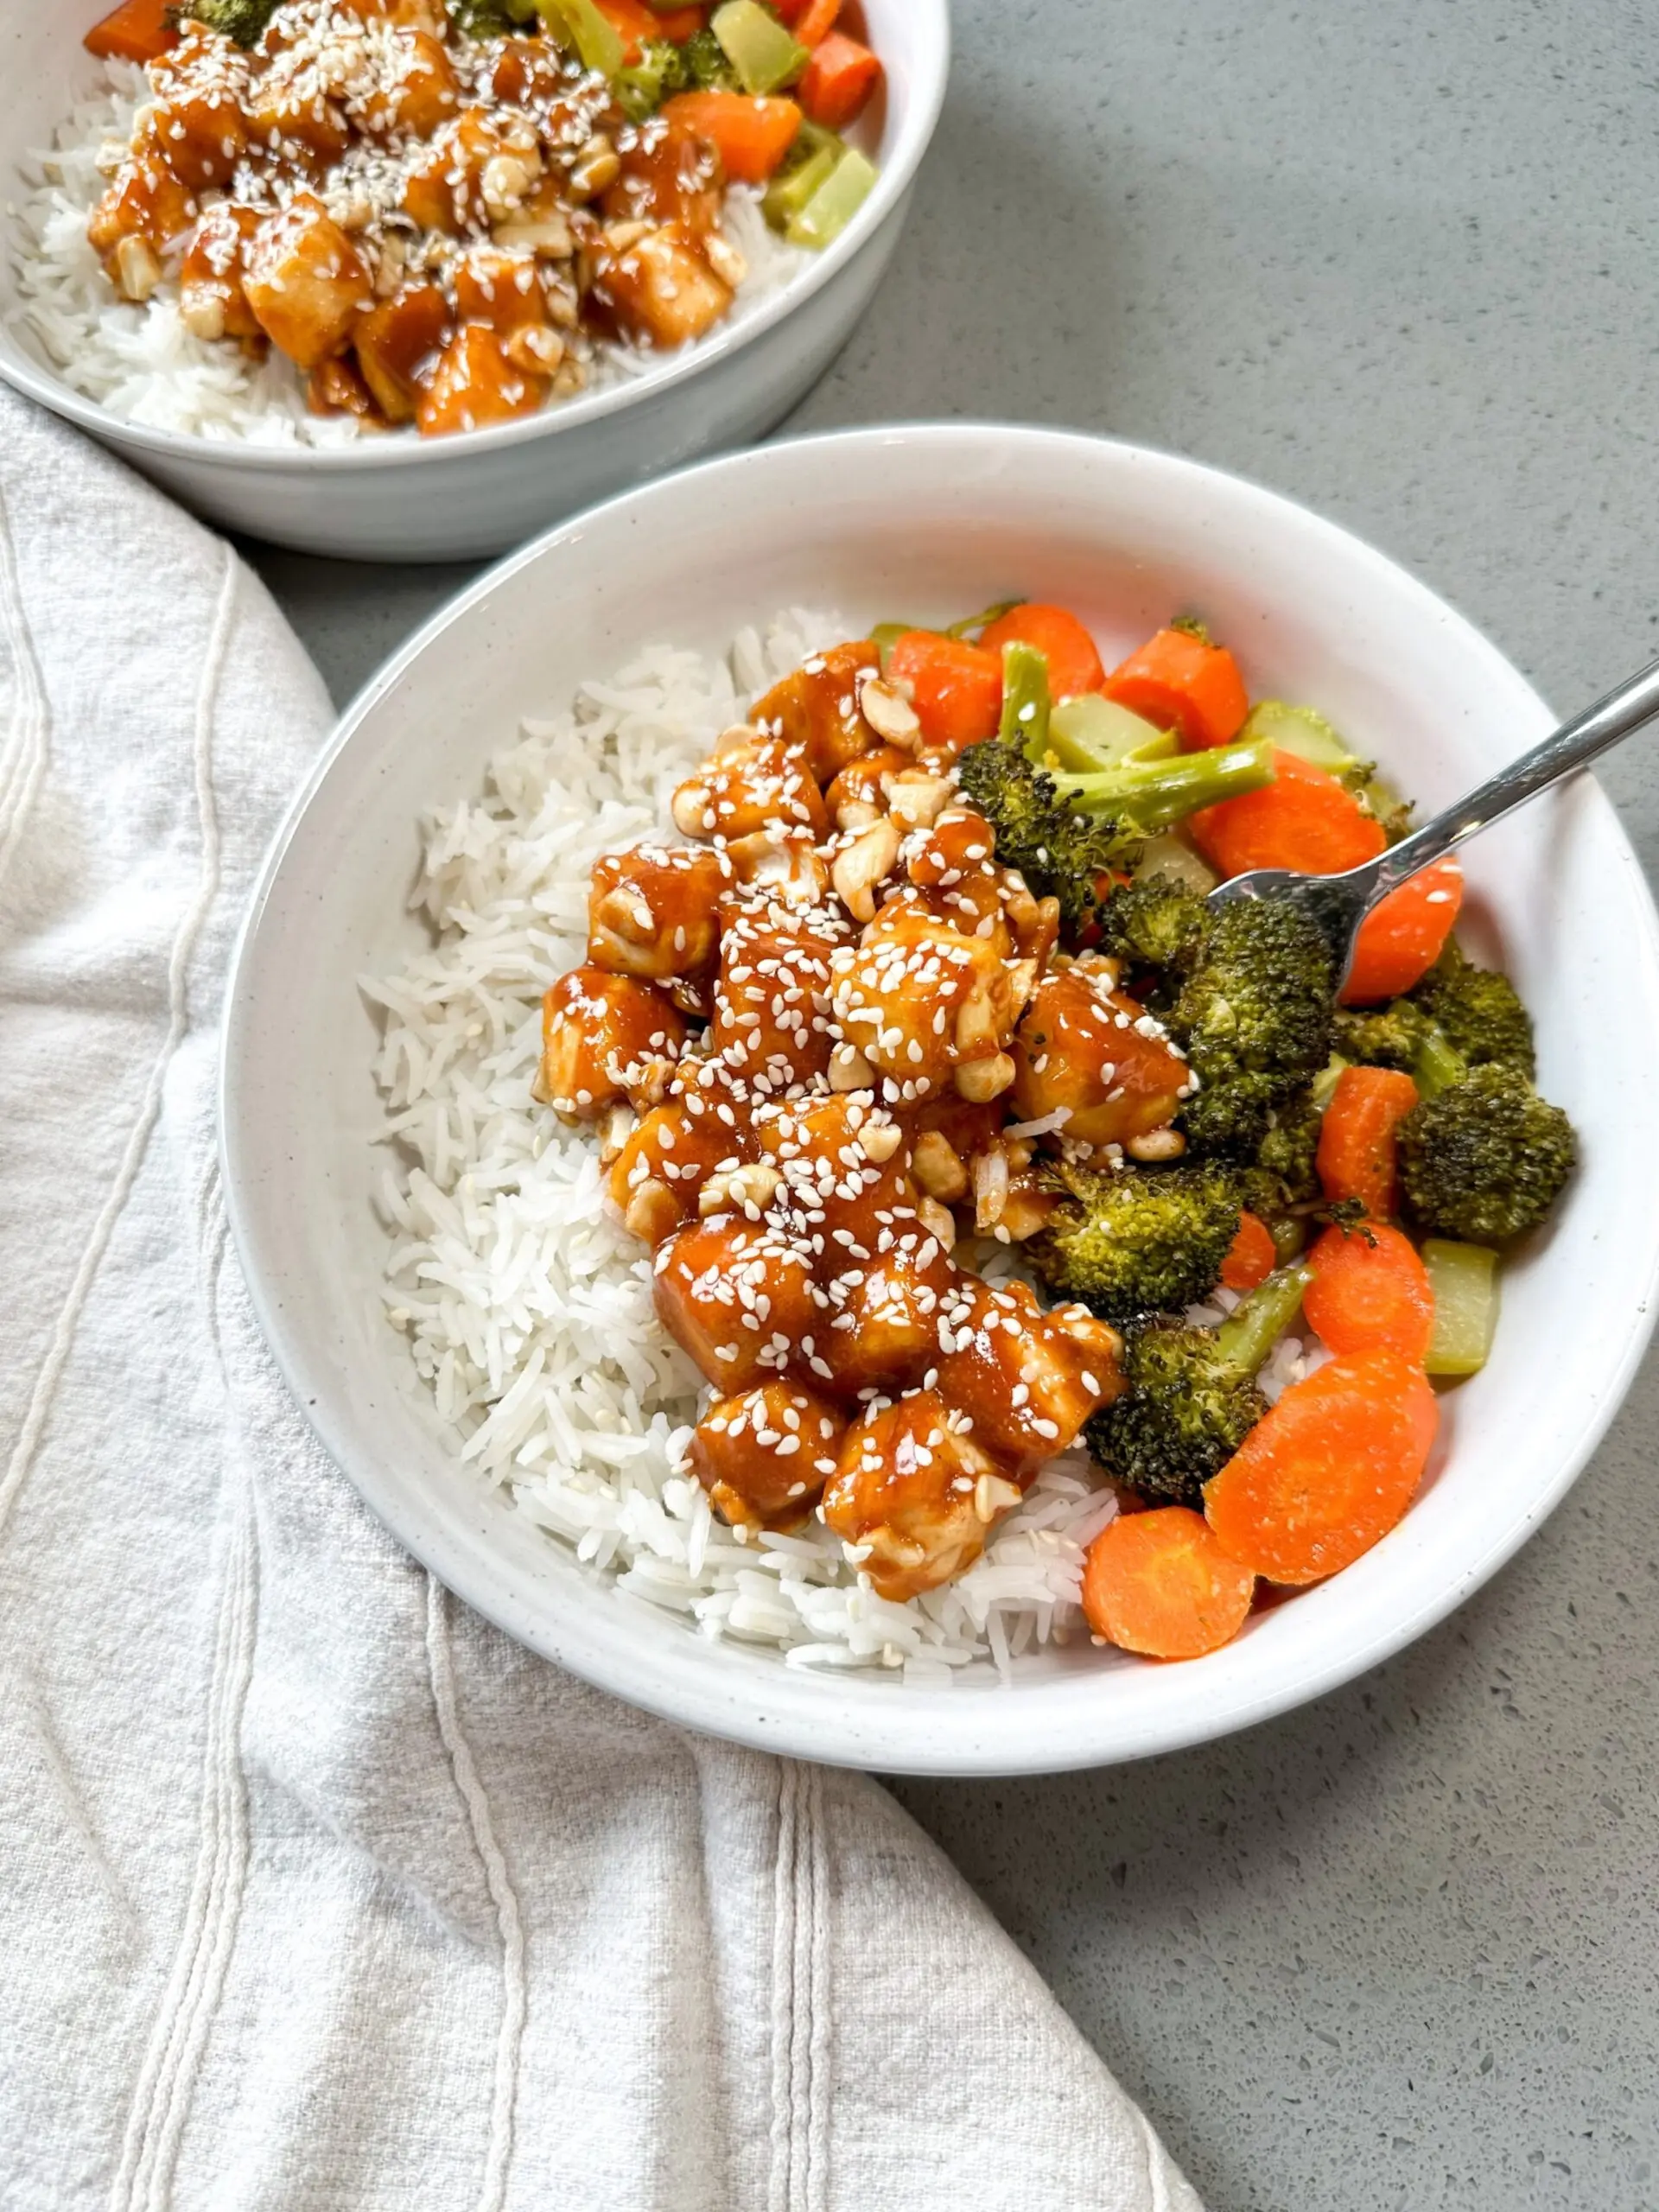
(333,217)
(845,1181)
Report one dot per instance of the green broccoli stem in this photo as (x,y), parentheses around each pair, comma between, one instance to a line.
(1025,700)
(1151,794)
(1257,1322)
(971,625)
(1437,1063)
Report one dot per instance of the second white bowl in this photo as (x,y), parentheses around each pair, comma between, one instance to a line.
(404,497)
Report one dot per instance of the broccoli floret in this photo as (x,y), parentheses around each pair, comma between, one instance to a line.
(1485,1159)
(658,74)
(1186,1411)
(1156,923)
(1192,1397)
(1478,1013)
(1133,1240)
(1061,854)
(1065,833)
(243,21)
(1253,1019)
(1284,1174)
(706,64)
(1379,1037)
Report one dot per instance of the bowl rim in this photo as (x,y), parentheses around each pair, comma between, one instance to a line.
(831,1738)
(918,123)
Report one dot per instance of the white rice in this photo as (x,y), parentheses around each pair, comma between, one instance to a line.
(141,362)
(528,1306)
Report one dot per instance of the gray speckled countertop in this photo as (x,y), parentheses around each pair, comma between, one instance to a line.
(1397,1952)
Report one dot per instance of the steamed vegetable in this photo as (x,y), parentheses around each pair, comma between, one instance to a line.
(1160,1583)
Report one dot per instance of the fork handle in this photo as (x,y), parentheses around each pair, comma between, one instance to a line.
(1575,743)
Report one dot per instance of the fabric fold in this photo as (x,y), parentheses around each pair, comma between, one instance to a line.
(317,1892)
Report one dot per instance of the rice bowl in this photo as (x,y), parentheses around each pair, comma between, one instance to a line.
(928,521)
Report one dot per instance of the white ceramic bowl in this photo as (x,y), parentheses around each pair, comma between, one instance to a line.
(925,522)
(409,498)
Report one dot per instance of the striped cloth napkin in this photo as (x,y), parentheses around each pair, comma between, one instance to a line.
(317,1894)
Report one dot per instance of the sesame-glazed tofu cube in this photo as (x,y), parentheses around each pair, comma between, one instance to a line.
(502,291)
(737,1297)
(663,1168)
(771,1023)
(1026,1377)
(292,109)
(145,201)
(927,1006)
(1092,1050)
(883,1325)
(668,174)
(846,1168)
(305,281)
(655,911)
(475,382)
(397,345)
(417,90)
(605,1038)
(748,785)
(200,85)
(765,1457)
(914,1495)
(471,163)
(660,288)
(858,794)
(816,710)
(211,302)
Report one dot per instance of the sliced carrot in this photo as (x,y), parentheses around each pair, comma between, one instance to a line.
(1181,683)
(956,687)
(1159,1583)
(135,31)
(1250,1257)
(1304,818)
(751,136)
(1400,939)
(837,82)
(1328,1471)
(1356,1158)
(1074,666)
(633,23)
(813,23)
(1369,1292)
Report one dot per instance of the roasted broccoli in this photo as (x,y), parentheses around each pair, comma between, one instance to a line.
(1192,1397)
(1380,1037)
(1135,1240)
(1065,833)
(1485,1158)
(1479,1012)
(658,74)
(1156,923)
(1253,1019)
(243,21)
(706,64)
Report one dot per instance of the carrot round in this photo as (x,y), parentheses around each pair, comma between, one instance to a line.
(1159,1583)
(1369,1292)
(1403,938)
(1356,1158)
(135,31)
(837,82)
(1306,819)
(955,688)
(1074,666)
(1251,1257)
(1328,1471)
(1181,683)
(751,136)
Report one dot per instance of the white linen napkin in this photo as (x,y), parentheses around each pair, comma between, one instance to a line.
(317,1894)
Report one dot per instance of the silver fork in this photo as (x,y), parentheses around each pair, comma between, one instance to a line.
(1340,903)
